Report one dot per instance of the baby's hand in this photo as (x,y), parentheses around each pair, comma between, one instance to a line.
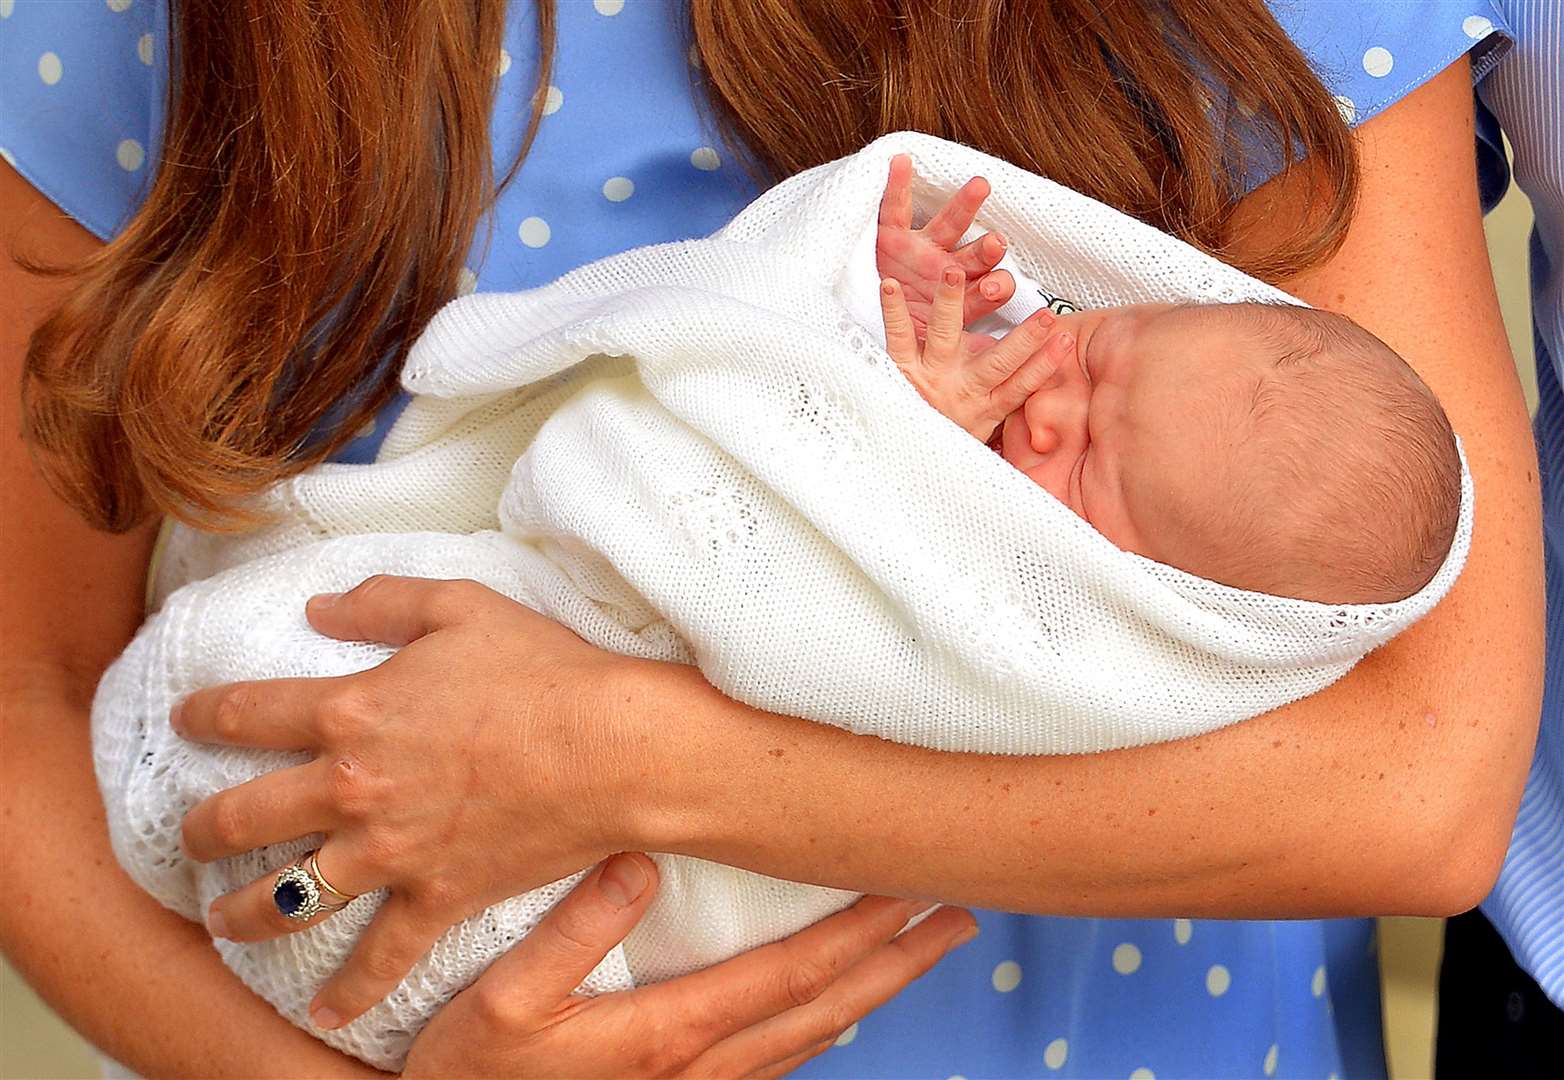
(974,380)
(916,258)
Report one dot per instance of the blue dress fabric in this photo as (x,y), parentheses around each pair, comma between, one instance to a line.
(627,156)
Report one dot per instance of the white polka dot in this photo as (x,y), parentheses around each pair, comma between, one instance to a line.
(553,98)
(118,5)
(6,7)
(1218,979)
(466,281)
(958,1076)
(618,188)
(846,1037)
(504,64)
(609,7)
(534,232)
(1007,976)
(705,159)
(1270,1061)
(1143,1073)
(9,159)
(144,49)
(1378,61)
(129,154)
(1183,930)
(1317,984)
(1056,1053)
(1347,107)
(1477,26)
(49,68)
(1126,959)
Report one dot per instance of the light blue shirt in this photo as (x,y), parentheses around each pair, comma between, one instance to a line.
(1525,94)
(623,158)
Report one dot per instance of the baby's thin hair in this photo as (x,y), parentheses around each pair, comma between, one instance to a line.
(1349,468)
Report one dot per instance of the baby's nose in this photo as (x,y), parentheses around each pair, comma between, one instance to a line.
(1056,419)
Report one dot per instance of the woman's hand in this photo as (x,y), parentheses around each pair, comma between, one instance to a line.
(761,1014)
(473,765)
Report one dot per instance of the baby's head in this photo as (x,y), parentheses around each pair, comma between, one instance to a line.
(1273,448)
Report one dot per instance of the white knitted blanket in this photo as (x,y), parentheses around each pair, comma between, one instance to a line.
(690,452)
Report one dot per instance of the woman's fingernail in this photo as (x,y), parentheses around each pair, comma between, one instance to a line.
(216,925)
(174,716)
(965,936)
(324,1018)
(622,880)
(324,600)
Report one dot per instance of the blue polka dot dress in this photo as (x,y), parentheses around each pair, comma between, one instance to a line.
(624,158)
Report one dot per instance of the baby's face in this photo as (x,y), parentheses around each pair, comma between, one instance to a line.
(1134,432)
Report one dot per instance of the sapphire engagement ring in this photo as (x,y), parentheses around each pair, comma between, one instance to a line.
(301,891)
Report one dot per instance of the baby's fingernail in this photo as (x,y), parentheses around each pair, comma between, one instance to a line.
(887,287)
(999,239)
(952,276)
(1066,339)
(622,880)
(216,925)
(991,289)
(325,1018)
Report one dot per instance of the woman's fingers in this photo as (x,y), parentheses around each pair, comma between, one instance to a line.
(954,218)
(250,914)
(878,975)
(397,610)
(896,203)
(271,809)
(737,994)
(547,965)
(275,714)
(901,338)
(395,940)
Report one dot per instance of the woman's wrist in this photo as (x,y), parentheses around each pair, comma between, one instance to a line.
(664,796)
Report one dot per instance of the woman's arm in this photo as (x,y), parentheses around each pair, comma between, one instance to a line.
(136,979)
(1393,791)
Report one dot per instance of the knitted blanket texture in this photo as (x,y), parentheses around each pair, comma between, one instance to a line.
(691,452)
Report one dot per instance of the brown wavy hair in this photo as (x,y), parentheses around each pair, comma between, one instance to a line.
(326,164)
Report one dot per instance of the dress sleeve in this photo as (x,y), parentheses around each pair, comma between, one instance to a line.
(82,87)
(1375,52)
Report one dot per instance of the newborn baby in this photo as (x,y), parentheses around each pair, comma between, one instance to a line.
(1270,447)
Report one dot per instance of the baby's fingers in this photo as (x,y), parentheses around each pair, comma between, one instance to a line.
(896,203)
(1030,377)
(946,319)
(1006,357)
(901,337)
(947,227)
(988,293)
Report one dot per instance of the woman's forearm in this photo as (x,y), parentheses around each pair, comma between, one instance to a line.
(138,981)
(1351,802)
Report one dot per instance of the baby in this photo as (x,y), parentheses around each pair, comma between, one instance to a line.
(1269,447)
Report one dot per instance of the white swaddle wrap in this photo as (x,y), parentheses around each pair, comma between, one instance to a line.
(691,452)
